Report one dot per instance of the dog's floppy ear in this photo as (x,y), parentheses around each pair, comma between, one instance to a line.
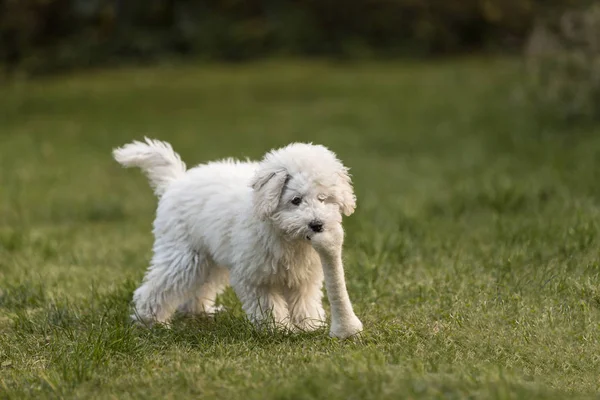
(268,185)
(347,199)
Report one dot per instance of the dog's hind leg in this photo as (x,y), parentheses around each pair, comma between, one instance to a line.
(264,306)
(204,298)
(305,305)
(175,272)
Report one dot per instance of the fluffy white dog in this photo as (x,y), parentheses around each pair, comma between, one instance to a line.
(272,229)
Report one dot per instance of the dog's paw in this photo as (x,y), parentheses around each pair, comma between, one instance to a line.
(191,308)
(330,240)
(211,312)
(309,325)
(148,323)
(216,310)
(271,326)
(137,320)
(347,329)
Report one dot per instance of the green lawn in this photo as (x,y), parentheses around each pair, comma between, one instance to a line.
(472,259)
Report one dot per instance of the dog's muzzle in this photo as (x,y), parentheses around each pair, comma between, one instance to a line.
(316,226)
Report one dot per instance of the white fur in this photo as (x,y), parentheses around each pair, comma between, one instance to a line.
(234,222)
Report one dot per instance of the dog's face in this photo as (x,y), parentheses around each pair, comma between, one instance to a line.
(302,188)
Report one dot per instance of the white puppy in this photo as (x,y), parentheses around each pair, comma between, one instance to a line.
(271,229)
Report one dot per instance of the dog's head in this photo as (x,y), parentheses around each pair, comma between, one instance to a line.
(301,188)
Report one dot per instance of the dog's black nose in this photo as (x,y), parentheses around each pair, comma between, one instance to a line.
(316,226)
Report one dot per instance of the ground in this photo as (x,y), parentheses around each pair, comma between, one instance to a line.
(472,259)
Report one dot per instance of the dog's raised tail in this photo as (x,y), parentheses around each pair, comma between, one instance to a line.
(156,159)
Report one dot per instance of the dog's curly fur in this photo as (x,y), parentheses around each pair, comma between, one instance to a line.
(270,229)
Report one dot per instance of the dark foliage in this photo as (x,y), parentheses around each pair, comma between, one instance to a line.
(563,60)
(49,35)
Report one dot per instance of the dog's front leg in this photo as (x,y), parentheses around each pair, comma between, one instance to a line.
(265,306)
(305,305)
(344,322)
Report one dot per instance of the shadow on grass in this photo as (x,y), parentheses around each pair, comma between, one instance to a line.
(79,338)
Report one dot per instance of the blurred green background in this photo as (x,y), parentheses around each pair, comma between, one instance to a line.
(559,38)
(48,35)
(471,130)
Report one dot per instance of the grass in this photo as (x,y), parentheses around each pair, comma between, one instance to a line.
(472,258)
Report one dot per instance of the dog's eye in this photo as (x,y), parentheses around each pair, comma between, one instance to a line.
(321,198)
(297,200)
